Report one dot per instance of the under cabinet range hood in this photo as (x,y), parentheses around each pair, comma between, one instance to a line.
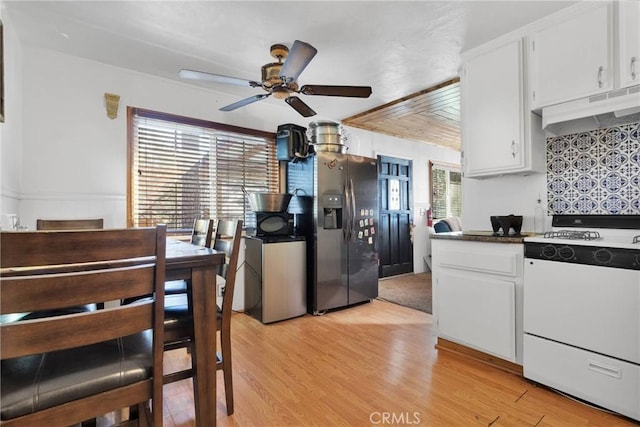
(594,112)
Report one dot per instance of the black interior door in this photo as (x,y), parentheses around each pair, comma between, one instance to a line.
(394,239)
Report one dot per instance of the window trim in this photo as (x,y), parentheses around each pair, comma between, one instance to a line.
(131,111)
(453,167)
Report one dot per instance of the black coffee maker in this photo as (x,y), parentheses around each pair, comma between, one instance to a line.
(292,143)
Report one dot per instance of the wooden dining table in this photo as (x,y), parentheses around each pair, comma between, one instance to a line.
(198,265)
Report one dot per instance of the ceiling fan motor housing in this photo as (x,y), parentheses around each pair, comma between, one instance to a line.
(271,74)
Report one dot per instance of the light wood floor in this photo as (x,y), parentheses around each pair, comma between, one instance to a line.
(354,367)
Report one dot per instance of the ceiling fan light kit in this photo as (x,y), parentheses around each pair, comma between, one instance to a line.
(280,80)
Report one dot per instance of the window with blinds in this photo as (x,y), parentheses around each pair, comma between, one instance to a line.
(446,190)
(182,169)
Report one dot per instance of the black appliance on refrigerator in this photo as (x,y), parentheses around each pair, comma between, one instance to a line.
(336,209)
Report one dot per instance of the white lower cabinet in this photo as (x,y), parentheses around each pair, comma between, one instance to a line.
(478,311)
(478,296)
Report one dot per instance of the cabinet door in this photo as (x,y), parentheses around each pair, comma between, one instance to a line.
(629,43)
(493,111)
(573,59)
(477,311)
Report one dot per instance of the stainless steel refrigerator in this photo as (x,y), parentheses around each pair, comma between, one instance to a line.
(336,209)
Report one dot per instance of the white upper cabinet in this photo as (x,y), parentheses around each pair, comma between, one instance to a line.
(572,57)
(496,127)
(628,43)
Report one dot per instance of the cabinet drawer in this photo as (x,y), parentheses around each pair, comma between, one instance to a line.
(477,311)
(598,379)
(496,258)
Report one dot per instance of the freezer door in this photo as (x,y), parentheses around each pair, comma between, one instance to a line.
(331,222)
(362,189)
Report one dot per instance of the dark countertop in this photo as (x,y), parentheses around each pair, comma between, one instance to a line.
(481,236)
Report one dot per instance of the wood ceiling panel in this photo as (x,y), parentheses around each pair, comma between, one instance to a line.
(431,116)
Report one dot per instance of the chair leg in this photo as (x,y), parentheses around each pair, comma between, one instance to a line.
(225,344)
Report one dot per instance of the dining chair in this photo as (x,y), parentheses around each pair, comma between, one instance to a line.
(60,368)
(70,224)
(178,324)
(201,235)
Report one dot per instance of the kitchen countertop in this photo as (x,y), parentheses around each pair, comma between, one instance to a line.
(481,236)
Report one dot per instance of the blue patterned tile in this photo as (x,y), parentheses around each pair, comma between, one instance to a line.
(585,163)
(585,142)
(558,186)
(585,205)
(585,184)
(614,205)
(558,205)
(595,172)
(613,160)
(614,182)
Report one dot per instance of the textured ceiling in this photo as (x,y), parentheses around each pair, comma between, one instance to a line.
(398,48)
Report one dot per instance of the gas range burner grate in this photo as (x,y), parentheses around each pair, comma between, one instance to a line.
(636,239)
(572,235)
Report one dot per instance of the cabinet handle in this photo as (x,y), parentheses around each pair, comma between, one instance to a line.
(513,149)
(633,67)
(600,70)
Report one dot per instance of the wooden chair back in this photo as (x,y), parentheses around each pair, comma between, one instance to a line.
(43,272)
(179,333)
(70,224)
(227,239)
(202,233)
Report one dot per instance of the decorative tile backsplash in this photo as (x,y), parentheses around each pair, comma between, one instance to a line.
(595,172)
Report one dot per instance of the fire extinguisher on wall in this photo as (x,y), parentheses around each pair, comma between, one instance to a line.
(429,218)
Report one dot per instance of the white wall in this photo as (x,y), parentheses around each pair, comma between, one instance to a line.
(11,129)
(503,195)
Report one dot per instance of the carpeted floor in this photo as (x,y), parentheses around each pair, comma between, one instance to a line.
(409,290)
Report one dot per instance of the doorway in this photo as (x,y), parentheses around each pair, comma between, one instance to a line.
(396,216)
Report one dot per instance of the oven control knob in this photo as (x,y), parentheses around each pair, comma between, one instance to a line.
(566,252)
(548,251)
(603,256)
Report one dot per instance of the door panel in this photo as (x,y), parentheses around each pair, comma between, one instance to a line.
(396,216)
(478,311)
(363,258)
(331,248)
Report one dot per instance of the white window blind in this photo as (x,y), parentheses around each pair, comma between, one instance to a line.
(446,191)
(183,169)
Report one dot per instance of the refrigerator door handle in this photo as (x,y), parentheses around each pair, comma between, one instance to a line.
(353,208)
(346,227)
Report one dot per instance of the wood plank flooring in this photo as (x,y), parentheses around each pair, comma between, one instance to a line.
(374,364)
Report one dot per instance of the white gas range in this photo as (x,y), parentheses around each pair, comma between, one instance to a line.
(582,310)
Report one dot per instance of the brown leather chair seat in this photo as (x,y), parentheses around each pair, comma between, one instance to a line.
(176,311)
(35,382)
(56,312)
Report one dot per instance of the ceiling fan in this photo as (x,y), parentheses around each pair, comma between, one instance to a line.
(280,79)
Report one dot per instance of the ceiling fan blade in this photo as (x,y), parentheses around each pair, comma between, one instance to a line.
(300,55)
(351,91)
(216,78)
(300,106)
(244,102)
